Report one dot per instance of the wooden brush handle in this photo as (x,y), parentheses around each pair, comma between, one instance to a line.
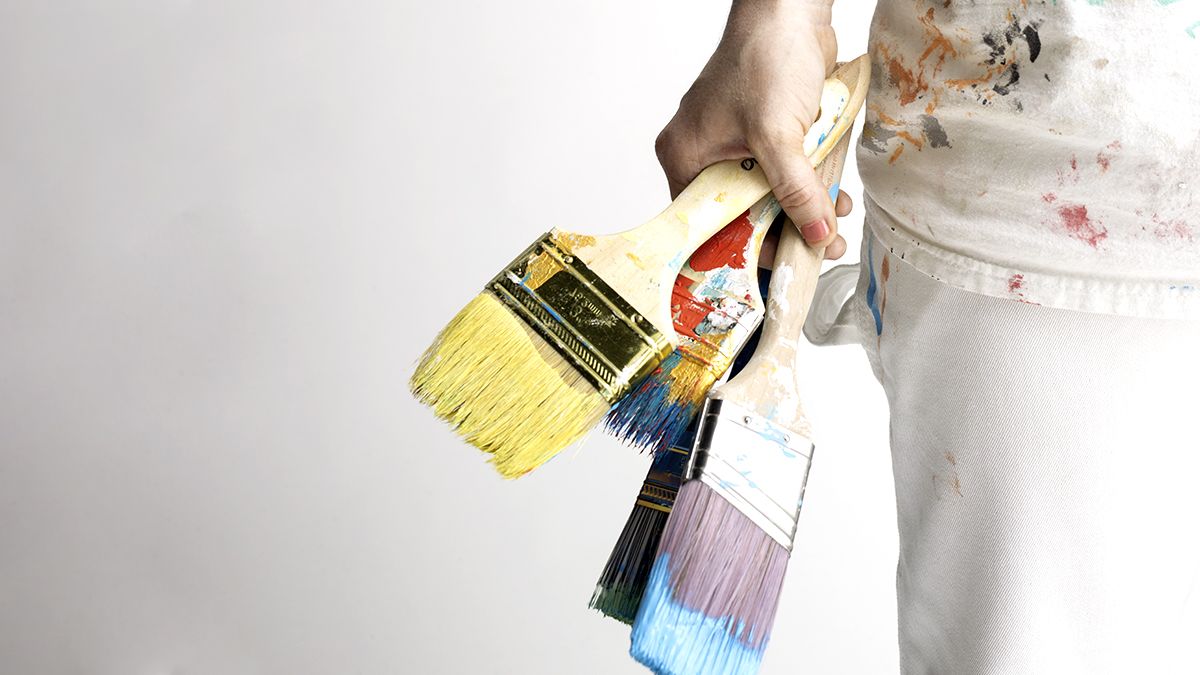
(768,385)
(721,192)
(792,286)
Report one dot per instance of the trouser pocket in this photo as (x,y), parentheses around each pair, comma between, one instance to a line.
(831,319)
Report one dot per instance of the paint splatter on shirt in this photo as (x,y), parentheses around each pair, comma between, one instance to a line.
(1051,142)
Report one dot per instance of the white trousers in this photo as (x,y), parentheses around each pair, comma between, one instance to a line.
(1047,473)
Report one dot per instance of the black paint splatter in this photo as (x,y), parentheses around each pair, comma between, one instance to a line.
(934,132)
(998,42)
(1013,74)
(1033,40)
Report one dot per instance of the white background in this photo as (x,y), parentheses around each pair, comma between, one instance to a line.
(227,229)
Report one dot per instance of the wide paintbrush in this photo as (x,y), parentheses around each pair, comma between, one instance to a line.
(561,333)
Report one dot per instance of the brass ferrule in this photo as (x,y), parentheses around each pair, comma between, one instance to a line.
(600,334)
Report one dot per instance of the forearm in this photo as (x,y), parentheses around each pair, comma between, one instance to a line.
(746,13)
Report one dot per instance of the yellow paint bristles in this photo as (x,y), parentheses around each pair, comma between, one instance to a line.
(504,389)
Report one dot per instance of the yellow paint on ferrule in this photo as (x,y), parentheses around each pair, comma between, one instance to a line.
(575,311)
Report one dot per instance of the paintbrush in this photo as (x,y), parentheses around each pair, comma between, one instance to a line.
(619,590)
(714,587)
(715,308)
(561,333)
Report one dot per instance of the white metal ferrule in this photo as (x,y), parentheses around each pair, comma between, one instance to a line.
(756,465)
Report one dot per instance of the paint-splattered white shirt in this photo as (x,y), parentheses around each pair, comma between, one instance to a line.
(1045,151)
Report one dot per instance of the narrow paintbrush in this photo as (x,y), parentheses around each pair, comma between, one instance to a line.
(558,336)
(619,590)
(715,306)
(714,586)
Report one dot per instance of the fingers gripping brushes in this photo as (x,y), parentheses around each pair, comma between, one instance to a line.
(561,334)
(715,307)
(714,587)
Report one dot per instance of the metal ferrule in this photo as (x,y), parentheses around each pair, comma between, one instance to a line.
(757,466)
(661,486)
(600,334)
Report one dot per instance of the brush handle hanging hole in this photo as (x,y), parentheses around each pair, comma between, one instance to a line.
(748,163)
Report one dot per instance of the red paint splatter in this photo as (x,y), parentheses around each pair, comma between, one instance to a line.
(1104,159)
(1016,287)
(687,311)
(1169,230)
(1075,218)
(727,247)
(1049,197)
(1072,175)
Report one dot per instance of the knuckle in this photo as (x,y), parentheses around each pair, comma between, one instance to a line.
(799,196)
(662,144)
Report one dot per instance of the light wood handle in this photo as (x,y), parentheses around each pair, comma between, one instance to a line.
(768,384)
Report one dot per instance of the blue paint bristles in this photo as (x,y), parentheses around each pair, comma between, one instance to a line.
(653,416)
(712,594)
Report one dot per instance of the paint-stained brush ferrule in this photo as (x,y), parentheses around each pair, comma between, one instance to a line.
(661,486)
(756,465)
(595,330)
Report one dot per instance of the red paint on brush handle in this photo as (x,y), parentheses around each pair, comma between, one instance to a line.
(727,247)
(687,310)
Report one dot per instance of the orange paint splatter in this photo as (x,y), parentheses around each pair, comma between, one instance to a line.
(911,139)
(987,76)
(883,117)
(909,83)
(933,103)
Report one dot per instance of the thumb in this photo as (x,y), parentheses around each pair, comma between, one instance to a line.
(799,191)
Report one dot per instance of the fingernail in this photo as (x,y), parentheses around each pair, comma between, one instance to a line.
(815,231)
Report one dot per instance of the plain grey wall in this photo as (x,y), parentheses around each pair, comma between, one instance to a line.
(227,229)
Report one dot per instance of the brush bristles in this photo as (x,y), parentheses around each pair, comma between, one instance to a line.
(657,412)
(504,389)
(712,593)
(619,590)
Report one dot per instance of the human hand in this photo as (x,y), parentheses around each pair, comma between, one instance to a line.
(756,97)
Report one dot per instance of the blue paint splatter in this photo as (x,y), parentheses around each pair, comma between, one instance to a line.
(872,291)
(779,437)
(1191,30)
(833,192)
(717,283)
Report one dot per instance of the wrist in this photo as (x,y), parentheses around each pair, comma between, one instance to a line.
(746,14)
